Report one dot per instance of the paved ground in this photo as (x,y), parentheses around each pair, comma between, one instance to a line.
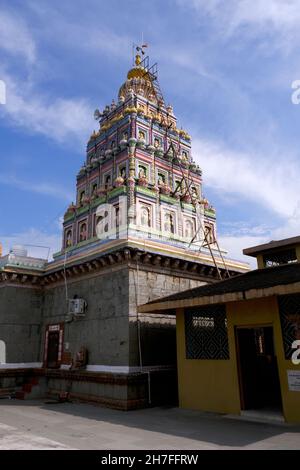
(38,425)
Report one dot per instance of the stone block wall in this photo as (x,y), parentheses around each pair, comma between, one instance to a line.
(157,332)
(104,330)
(20,323)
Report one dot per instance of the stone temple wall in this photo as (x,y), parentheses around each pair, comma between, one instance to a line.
(112,297)
(20,323)
(115,336)
(104,329)
(157,332)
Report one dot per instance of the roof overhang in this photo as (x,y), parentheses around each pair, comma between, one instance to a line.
(273,245)
(161,306)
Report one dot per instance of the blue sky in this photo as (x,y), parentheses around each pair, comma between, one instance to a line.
(226,67)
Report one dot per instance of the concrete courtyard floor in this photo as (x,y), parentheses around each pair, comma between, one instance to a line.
(35,424)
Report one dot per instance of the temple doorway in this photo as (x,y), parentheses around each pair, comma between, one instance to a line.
(53,348)
(257,368)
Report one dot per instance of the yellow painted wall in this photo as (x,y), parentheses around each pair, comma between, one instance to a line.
(290,400)
(298,252)
(212,385)
(260,262)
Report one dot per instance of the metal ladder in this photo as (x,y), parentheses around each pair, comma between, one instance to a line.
(188,185)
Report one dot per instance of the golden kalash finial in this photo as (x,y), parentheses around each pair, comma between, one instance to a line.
(138,59)
(138,70)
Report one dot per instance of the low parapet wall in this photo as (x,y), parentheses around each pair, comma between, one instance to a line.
(119,391)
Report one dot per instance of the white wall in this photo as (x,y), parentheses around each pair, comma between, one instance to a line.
(2,352)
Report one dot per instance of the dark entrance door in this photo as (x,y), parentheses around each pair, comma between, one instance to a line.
(258,371)
(53,346)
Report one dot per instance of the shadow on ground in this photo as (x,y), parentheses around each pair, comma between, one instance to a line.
(209,428)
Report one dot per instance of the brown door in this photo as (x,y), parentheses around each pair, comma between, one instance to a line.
(258,372)
(53,347)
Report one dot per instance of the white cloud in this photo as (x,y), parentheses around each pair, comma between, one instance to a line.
(272,182)
(57,118)
(89,34)
(60,119)
(279,18)
(41,243)
(15,36)
(290,227)
(277,14)
(235,245)
(236,240)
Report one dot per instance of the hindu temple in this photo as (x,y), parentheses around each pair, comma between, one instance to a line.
(140,228)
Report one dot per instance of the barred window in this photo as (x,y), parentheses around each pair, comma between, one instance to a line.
(204,322)
(289,311)
(281,257)
(206,333)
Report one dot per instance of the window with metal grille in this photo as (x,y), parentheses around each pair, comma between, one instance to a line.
(280,257)
(206,333)
(289,311)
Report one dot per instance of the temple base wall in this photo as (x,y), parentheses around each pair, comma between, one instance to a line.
(118,391)
(131,359)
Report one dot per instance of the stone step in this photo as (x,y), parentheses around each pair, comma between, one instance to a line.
(30,389)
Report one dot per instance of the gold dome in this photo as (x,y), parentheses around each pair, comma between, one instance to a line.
(138,71)
(139,81)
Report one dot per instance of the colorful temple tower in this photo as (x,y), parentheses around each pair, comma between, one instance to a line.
(139,153)
(140,229)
